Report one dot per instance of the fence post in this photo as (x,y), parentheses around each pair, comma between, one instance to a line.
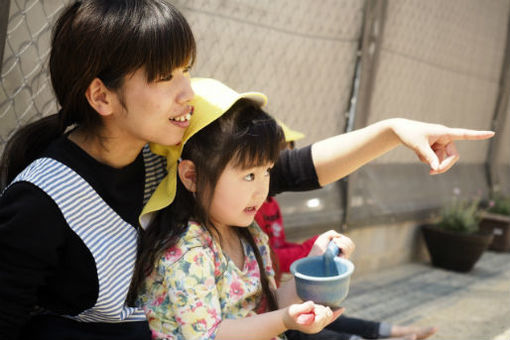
(372,32)
(499,118)
(4,21)
(373,25)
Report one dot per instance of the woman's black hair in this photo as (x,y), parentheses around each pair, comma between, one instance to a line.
(246,136)
(105,39)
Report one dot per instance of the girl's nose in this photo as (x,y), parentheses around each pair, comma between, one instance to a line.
(262,190)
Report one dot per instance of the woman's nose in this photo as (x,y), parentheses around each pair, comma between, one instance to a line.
(185,91)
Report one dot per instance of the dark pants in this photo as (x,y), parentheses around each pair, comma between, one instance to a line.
(341,329)
(49,327)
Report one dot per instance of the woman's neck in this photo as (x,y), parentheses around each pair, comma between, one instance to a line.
(111,151)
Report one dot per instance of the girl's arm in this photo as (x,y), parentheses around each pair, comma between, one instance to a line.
(305,317)
(187,304)
(338,156)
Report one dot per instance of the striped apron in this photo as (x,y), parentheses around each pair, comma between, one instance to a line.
(111,240)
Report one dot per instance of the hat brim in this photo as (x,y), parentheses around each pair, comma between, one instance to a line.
(212,99)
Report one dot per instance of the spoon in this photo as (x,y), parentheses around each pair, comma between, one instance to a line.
(329,255)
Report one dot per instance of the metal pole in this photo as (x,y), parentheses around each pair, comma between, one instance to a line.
(498,120)
(4,21)
(375,13)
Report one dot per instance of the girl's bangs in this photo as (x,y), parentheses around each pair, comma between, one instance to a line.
(259,146)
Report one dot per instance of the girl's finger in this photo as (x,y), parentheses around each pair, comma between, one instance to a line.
(305,319)
(337,313)
(302,308)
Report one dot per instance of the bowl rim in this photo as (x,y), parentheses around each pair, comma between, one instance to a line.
(350,268)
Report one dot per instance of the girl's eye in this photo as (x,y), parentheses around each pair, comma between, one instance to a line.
(187,69)
(249,177)
(268,172)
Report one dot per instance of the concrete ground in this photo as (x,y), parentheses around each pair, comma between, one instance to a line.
(475,305)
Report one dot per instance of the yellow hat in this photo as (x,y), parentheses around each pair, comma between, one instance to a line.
(212,99)
(290,135)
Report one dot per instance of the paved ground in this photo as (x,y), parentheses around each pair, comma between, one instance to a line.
(475,305)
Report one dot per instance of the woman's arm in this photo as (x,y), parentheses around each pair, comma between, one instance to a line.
(339,156)
(31,234)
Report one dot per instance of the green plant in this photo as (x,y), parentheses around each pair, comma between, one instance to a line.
(499,205)
(460,216)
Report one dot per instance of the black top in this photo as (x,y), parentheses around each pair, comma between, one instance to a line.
(44,263)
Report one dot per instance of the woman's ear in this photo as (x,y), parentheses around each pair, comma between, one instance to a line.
(188,174)
(100,97)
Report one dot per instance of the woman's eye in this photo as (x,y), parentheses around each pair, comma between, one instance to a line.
(268,172)
(187,69)
(166,78)
(249,177)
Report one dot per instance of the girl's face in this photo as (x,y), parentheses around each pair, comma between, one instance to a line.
(156,112)
(238,195)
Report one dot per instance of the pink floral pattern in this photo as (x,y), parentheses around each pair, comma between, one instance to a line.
(194,286)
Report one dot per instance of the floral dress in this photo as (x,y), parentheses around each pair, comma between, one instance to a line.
(194,286)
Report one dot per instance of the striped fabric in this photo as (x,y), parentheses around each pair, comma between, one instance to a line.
(155,170)
(111,240)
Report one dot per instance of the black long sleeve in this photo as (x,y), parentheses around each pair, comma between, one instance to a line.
(294,171)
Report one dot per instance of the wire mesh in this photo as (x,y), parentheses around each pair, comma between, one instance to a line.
(25,89)
(439,61)
(301,54)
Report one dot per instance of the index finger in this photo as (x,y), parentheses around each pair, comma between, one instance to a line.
(467,134)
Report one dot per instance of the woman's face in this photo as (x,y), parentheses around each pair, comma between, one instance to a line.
(157,112)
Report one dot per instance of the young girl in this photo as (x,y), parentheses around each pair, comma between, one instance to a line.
(213,276)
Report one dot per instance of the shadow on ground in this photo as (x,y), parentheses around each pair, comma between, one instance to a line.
(475,305)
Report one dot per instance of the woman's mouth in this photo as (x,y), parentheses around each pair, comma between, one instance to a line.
(184,119)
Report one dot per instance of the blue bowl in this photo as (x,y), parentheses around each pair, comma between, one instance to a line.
(313,283)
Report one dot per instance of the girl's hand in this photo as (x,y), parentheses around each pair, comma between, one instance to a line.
(434,143)
(309,317)
(344,243)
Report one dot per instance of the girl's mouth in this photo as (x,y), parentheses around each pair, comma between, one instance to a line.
(251,210)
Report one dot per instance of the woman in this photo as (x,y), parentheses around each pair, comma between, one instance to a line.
(68,223)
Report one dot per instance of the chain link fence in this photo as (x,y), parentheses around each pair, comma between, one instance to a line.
(430,60)
(438,62)
(25,89)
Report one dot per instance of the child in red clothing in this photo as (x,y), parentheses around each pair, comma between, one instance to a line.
(270,221)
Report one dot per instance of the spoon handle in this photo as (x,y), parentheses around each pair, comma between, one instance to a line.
(329,259)
(333,248)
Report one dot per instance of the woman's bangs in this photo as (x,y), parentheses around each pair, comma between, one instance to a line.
(169,44)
